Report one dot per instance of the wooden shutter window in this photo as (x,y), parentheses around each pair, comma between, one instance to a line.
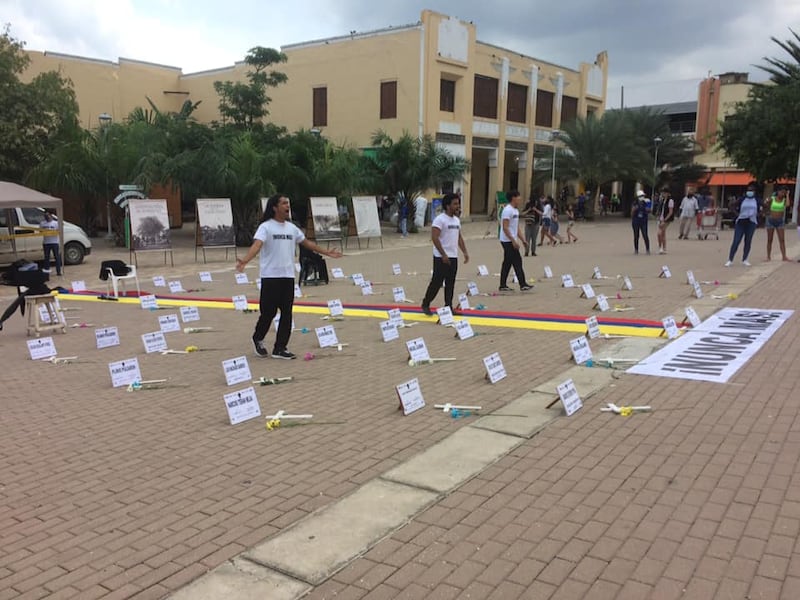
(517,103)
(569,109)
(484,103)
(388,100)
(544,108)
(447,95)
(320,116)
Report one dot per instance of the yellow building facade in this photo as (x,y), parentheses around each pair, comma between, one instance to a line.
(489,104)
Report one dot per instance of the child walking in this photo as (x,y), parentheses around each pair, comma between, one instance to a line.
(571,237)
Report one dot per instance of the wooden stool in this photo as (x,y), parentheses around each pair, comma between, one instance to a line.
(36,323)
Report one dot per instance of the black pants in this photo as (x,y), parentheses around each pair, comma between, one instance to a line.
(640,227)
(276,294)
(511,258)
(442,273)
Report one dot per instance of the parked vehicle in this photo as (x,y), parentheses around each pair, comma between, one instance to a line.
(26,220)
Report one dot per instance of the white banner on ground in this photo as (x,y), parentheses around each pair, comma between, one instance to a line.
(716,349)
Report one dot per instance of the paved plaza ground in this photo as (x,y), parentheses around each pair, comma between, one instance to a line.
(106,493)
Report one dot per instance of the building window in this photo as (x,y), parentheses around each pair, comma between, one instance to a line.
(320,117)
(544,108)
(485,101)
(447,95)
(569,109)
(388,100)
(517,103)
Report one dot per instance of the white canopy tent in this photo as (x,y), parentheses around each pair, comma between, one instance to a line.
(13,195)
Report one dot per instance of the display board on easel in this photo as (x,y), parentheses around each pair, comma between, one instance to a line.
(214,226)
(325,217)
(149,221)
(368,224)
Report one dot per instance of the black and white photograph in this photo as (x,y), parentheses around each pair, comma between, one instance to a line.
(149,225)
(214,222)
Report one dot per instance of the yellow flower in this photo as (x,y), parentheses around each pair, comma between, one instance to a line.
(192,348)
(273,424)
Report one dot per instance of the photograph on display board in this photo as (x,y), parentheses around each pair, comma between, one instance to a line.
(149,225)
(326,218)
(366,212)
(215,222)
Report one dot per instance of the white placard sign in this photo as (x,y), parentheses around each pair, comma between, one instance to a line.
(602,303)
(358,279)
(159,281)
(581,351)
(464,329)
(495,370)
(670,327)
(205,276)
(148,302)
(566,281)
(242,405)
(169,323)
(395,316)
(189,314)
(365,211)
(44,314)
(697,290)
(570,399)
(665,272)
(326,336)
(483,271)
(154,342)
(417,350)
(472,288)
(587,291)
(335,308)
(693,317)
(389,331)
(124,372)
(410,396)
(241,279)
(445,315)
(366,288)
(627,284)
(237,370)
(399,294)
(548,272)
(298,293)
(41,348)
(396,270)
(175,287)
(105,337)
(337,273)
(690,277)
(463,302)
(239,302)
(596,274)
(716,349)
(593,327)
(79,286)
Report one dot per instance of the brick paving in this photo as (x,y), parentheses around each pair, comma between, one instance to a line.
(105,493)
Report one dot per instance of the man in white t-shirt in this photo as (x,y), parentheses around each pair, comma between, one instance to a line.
(50,242)
(510,237)
(688,210)
(275,241)
(446,238)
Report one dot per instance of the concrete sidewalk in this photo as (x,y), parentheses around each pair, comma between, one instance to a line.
(111,494)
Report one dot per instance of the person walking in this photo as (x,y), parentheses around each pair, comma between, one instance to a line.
(50,242)
(547,222)
(745,226)
(665,217)
(688,212)
(446,238)
(639,221)
(532,213)
(510,236)
(776,220)
(274,242)
(571,237)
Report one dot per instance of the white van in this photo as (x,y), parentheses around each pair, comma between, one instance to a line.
(26,220)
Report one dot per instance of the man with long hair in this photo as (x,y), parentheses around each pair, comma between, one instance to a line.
(274,241)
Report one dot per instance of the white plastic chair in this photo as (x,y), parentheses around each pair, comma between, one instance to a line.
(113,281)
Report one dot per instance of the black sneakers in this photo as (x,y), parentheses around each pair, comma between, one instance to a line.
(284,354)
(504,288)
(259,347)
(525,288)
(427,310)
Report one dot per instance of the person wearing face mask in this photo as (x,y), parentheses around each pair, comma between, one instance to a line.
(688,211)
(745,226)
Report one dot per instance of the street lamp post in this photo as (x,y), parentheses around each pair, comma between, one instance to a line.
(656,140)
(105,120)
(553,137)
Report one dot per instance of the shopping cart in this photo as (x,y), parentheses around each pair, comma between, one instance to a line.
(710,224)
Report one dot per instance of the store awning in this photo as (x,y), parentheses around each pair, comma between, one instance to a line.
(731,179)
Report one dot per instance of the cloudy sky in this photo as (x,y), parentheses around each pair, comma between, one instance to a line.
(658,50)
